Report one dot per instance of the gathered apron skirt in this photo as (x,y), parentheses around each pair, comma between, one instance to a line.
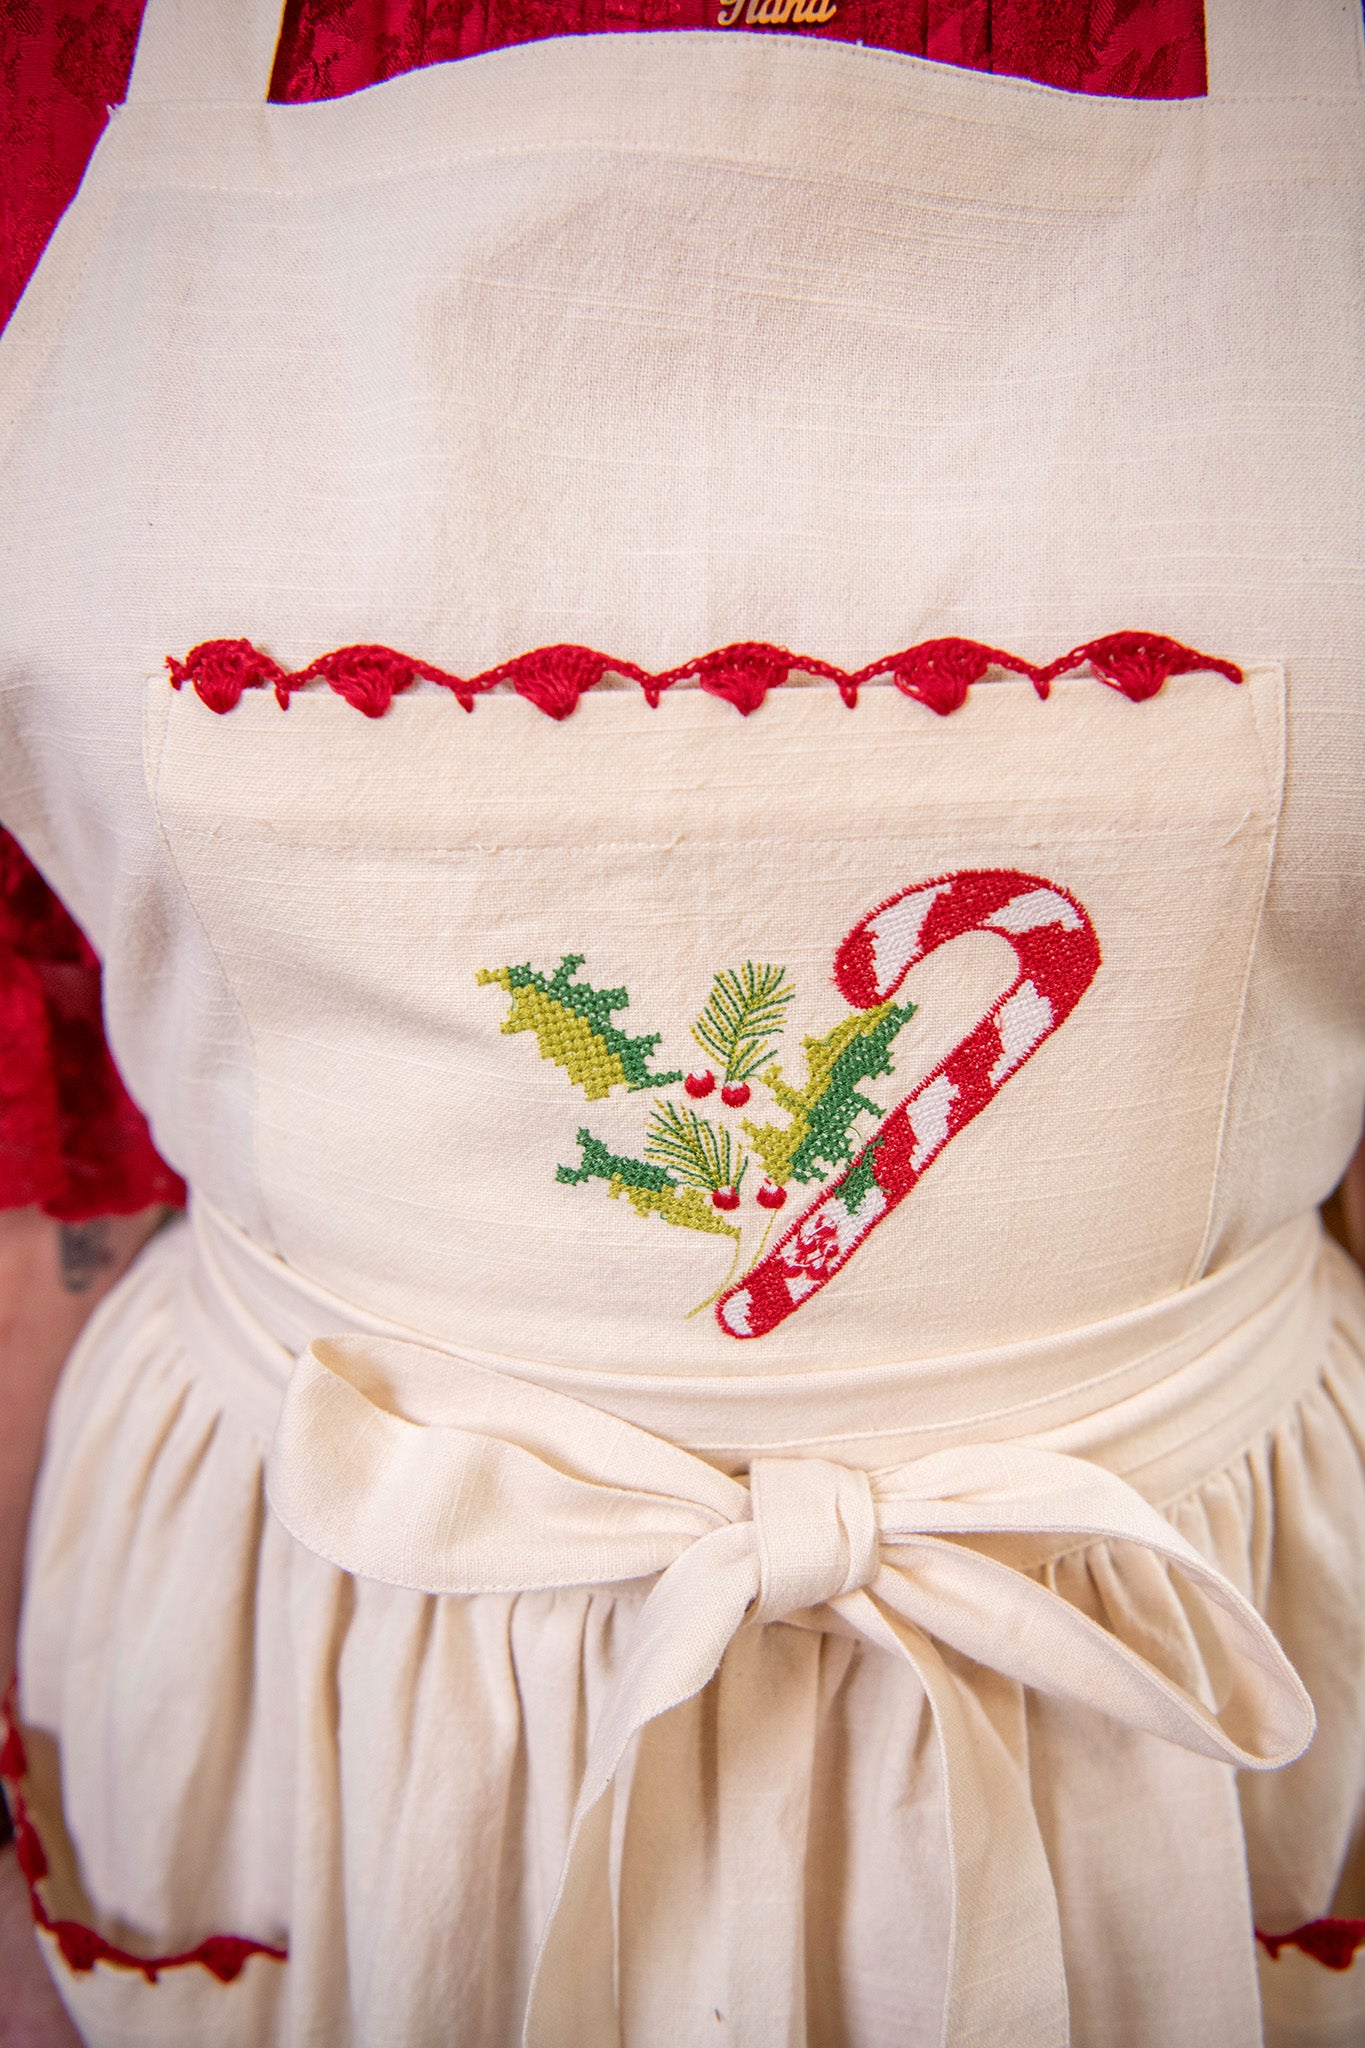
(957,1701)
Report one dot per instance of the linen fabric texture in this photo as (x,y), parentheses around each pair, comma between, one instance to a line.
(656,344)
(70,1138)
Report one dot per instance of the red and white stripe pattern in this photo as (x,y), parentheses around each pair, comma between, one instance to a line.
(1058,955)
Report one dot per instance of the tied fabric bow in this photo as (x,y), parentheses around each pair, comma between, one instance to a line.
(423,1470)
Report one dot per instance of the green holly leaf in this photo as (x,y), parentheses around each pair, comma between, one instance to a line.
(572,1022)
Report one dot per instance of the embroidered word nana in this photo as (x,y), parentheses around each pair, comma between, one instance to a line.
(775,13)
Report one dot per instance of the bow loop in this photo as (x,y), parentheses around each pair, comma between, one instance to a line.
(816,1529)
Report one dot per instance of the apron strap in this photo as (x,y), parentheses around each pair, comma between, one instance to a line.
(205,50)
(1284,49)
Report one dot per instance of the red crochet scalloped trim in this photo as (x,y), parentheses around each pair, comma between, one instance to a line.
(938,673)
(1333,1943)
(222,1955)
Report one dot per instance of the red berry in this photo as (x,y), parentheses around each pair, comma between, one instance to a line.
(735,1094)
(770,1197)
(726,1198)
(698,1085)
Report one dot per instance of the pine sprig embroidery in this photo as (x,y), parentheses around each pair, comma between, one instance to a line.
(744,1018)
(572,1023)
(691,1147)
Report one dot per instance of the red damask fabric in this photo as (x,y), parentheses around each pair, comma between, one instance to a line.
(70,1138)
(1131,49)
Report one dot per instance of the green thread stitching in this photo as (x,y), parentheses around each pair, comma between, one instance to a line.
(744,1017)
(690,1159)
(859,1181)
(648,1188)
(600,1164)
(689,1208)
(573,1027)
(824,1111)
(700,1155)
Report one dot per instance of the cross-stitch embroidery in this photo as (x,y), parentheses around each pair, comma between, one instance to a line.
(649,1190)
(573,1027)
(694,1170)
(1057,956)
(824,1112)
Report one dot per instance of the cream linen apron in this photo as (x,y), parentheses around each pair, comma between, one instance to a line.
(757,1239)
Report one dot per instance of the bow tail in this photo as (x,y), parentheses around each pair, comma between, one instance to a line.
(1099,1782)
(715,1851)
(682,1633)
(1006,1975)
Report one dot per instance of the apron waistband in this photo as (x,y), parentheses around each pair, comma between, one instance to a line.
(1163,1395)
(916,1531)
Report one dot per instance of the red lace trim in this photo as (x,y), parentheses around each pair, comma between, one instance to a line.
(938,673)
(1333,1943)
(222,1955)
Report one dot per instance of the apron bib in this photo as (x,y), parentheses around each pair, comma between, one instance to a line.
(686,868)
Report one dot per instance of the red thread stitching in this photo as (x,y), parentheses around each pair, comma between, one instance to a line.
(1058,956)
(222,1955)
(1333,1943)
(937,673)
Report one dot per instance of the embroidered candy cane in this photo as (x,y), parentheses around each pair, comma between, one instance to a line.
(1058,955)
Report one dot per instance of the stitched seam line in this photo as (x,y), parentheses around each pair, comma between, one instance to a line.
(1216,1178)
(153,781)
(760,166)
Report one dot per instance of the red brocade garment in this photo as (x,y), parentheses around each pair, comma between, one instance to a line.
(71,1140)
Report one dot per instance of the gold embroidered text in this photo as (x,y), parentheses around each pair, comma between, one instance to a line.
(775,13)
